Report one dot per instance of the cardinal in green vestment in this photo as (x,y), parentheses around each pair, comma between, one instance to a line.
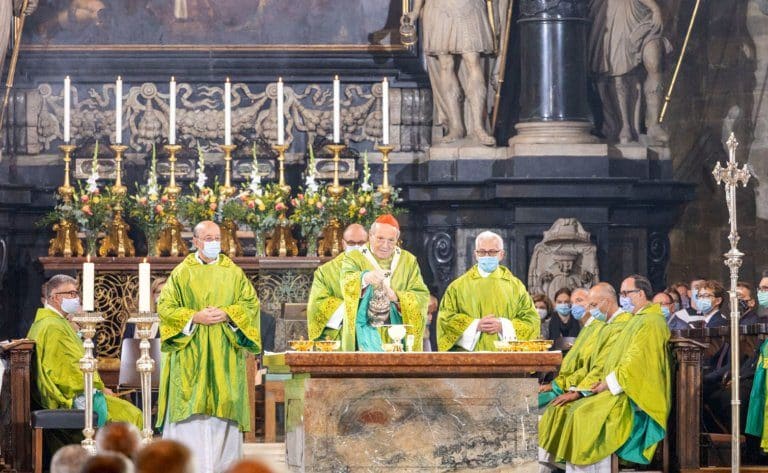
(486,304)
(627,410)
(209,321)
(58,350)
(382,263)
(325,308)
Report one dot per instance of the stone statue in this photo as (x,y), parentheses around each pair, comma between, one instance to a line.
(564,258)
(625,35)
(463,30)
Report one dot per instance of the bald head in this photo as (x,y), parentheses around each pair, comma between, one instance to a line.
(354,236)
(69,459)
(204,228)
(603,297)
(120,437)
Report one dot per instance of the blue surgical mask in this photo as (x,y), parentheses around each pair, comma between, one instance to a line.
(70,306)
(665,311)
(488,263)
(211,249)
(762,298)
(695,298)
(350,248)
(563,308)
(578,312)
(598,314)
(704,305)
(626,304)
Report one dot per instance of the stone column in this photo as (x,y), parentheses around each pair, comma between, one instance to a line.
(553,67)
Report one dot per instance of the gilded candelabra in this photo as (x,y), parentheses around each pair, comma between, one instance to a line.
(230,244)
(144,366)
(66,242)
(88,365)
(385,188)
(336,190)
(731,176)
(282,237)
(170,242)
(117,242)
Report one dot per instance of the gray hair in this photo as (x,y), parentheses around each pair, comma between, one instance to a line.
(487,235)
(56,282)
(375,227)
(69,459)
(580,289)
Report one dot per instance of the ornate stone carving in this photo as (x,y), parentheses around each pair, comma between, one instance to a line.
(564,258)
(658,256)
(549,8)
(441,251)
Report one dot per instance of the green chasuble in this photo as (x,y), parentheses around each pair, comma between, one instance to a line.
(325,297)
(630,423)
(204,371)
(58,351)
(594,370)
(471,297)
(406,281)
(757,407)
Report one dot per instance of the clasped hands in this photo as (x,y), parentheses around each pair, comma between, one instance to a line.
(377,277)
(210,316)
(565,398)
(489,324)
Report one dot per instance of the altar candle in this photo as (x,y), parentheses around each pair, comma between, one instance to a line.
(144,286)
(172,113)
(227,112)
(385,112)
(280,118)
(88,284)
(336,109)
(119,110)
(67,104)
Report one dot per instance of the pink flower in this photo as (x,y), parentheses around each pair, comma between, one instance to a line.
(280,206)
(164,198)
(319,205)
(87,209)
(294,202)
(200,201)
(251,205)
(363,211)
(83,198)
(96,191)
(143,201)
(159,208)
(213,207)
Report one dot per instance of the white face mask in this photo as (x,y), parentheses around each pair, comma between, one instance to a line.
(542,313)
(70,306)
(349,249)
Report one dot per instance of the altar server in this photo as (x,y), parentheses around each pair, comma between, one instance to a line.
(485,304)
(209,319)
(325,308)
(382,262)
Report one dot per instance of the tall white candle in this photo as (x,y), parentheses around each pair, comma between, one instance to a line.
(336,109)
(144,287)
(385,111)
(172,113)
(89,273)
(67,105)
(119,110)
(280,112)
(227,112)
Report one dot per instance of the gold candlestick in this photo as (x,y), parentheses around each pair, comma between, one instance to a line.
(118,243)
(281,168)
(170,242)
(66,242)
(385,188)
(336,190)
(144,366)
(227,190)
(88,365)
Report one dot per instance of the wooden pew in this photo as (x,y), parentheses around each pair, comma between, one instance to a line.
(16,430)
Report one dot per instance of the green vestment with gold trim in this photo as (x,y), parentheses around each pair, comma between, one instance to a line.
(325,297)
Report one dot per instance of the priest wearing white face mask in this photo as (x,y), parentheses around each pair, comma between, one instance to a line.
(485,304)
(325,308)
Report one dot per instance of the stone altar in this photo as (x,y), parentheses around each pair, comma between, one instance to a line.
(409,412)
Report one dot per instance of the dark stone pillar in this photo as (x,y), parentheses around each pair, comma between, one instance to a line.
(553,68)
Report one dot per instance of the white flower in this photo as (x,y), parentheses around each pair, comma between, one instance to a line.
(201,178)
(93,185)
(311,185)
(366,187)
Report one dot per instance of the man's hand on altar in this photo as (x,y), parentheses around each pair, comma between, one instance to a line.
(599,387)
(566,398)
(375,277)
(545,388)
(489,324)
(210,316)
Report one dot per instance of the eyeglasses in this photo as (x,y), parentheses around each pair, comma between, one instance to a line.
(210,239)
(389,241)
(355,243)
(487,252)
(627,293)
(71,294)
(706,296)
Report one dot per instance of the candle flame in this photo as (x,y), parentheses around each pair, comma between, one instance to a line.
(66,78)
(145,259)
(279,79)
(88,259)
(336,77)
(227,79)
(173,79)
(385,80)
(119,78)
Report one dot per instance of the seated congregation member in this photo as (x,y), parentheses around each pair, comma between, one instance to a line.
(710,297)
(627,410)
(381,265)
(578,356)
(485,304)
(666,303)
(690,316)
(325,307)
(58,351)
(120,437)
(108,462)
(747,304)
(564,325)
(164,456)
(69,459)
(545,309)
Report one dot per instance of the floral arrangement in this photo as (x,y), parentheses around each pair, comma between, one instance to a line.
(203,202)
(310,215)
(263,212)
(148,209)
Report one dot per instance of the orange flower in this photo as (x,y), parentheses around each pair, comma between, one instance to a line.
(159,208)
(87,209)
(251,205)
(143,201)
(164,198)
(83,198)
(213,206)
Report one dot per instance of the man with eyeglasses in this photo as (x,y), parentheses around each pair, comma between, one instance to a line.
(486,304)
(209,318)
(627,412)
(689,317)
(382,264)
(58,351)
(325,308)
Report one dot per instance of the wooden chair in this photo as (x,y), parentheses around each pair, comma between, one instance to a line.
(59,419)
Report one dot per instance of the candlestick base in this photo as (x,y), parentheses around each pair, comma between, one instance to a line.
(170,242)
(66,242)
(331,239)
(281,168)
(227,190)
(145,365)
(336,190)
(117,242)
(230,244)
(88,365)
(385,189)
(282,242)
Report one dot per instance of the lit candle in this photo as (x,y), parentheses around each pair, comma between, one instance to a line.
(227,112)
(385,112)
(144,286)
(280,118)
(172,116)
(336,109)
(67,104)
(119,110)
(89,272)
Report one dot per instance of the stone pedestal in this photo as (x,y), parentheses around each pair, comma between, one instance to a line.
(413,412)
